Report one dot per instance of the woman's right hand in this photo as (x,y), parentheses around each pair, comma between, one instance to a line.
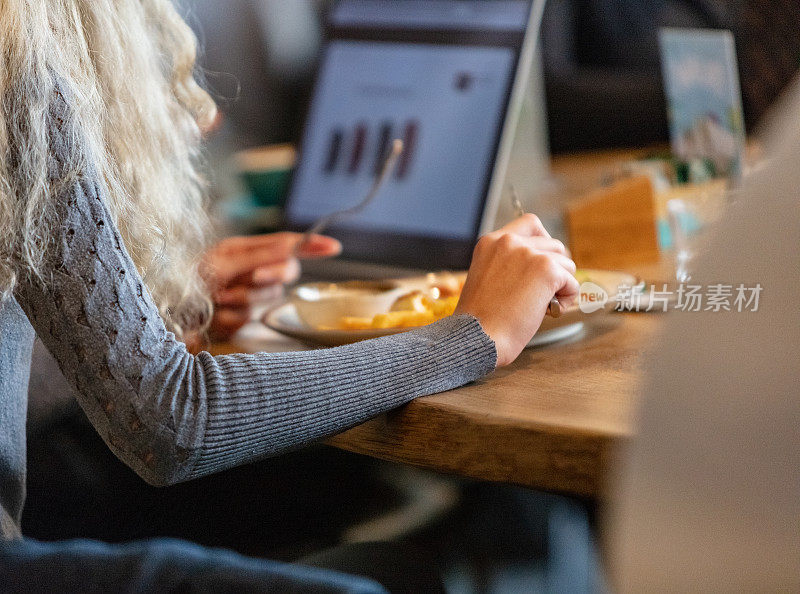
(514,274)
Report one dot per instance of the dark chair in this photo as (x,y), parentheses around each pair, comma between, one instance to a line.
(602,65)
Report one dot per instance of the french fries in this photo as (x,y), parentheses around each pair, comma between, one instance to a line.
(409,311)
(419,308)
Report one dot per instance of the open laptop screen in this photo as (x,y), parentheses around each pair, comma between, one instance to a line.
(438,75)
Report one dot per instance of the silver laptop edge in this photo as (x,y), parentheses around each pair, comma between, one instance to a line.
(522,80)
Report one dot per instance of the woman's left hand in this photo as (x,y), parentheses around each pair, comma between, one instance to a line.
(242,271)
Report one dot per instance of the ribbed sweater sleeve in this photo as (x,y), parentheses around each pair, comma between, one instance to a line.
(173,416)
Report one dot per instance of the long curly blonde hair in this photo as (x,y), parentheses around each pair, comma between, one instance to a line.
(128,66)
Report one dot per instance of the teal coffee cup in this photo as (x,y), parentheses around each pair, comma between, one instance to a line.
(266,172)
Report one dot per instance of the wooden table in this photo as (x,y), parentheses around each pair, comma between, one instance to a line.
(552,420)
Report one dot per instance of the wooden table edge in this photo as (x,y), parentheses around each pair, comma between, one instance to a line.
(535,455)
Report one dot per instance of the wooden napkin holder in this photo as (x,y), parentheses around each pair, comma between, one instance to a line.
(614,227)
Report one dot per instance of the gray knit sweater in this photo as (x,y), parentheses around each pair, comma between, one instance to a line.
(168,414)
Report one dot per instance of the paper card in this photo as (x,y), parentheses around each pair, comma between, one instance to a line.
(704,99)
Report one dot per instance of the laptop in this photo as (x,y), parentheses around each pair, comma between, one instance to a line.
(447,77)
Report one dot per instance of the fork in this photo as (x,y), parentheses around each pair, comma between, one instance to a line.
(554,307)
(323,222)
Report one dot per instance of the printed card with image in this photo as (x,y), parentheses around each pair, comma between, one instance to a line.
(704,99)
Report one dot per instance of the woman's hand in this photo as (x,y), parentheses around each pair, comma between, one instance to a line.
(515,272)
(245,270)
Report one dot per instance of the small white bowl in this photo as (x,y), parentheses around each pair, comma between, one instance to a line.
(323,305)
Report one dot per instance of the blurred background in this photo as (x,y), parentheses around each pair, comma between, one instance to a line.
(601,63)
(600,87)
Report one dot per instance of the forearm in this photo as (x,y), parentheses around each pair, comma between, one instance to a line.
(265,404)
(171,415)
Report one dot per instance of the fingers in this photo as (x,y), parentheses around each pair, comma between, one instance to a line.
(241,243)
(236,258)
(315,246)
(528,225)
(283,273)
(570,289)
(233,308)
(500,245)
(319,246)
(565,263)
(229,267)
(547,244)
(244,296)
(227,322)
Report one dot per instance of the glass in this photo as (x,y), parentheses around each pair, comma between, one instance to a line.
(690,219)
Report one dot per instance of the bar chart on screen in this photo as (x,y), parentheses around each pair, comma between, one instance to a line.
(363,149)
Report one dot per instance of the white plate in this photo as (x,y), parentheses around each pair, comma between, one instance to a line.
(284,319)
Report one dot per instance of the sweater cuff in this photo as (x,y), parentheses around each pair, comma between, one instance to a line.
(462,336)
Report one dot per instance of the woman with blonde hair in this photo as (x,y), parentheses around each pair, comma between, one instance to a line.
(101,224)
